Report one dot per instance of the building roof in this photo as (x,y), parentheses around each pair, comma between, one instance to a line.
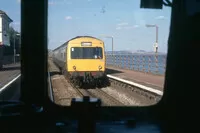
(2,12)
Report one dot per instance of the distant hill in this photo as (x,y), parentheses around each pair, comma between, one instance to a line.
(141,51)
(119,52)
(133,52)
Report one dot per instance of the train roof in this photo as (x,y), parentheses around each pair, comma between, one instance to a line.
(76,38)
(83,37)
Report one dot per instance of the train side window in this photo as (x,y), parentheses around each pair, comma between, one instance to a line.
(65,55)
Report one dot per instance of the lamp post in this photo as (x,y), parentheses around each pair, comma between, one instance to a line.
(14,49)
(156,44)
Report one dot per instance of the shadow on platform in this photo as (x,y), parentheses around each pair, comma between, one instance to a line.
(55,73)
(11,68)
(112,71)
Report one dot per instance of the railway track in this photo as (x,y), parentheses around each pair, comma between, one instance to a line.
(50,89)
(81,92)
(135,91)
(96,93)
(106,98)
(93,93)
(109,97)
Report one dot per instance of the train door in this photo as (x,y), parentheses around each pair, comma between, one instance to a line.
(66,56)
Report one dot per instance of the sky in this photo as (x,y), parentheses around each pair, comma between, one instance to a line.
(12,9)
(122,19)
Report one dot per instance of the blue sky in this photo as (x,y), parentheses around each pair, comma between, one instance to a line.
(12,8)
(122,19)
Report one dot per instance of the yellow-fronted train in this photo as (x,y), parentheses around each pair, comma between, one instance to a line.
(82,60)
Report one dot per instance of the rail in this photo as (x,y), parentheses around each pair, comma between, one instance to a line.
(11,90)
(50,90)
(9,83)
(147,63)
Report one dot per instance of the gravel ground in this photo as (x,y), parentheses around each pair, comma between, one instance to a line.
(107,100)
(62,90)
(126,97)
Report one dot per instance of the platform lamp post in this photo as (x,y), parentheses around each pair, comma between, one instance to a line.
(112,42)
(156,44)
(14,49)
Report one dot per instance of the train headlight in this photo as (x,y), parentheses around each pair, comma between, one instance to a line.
(74,67)
(100,67)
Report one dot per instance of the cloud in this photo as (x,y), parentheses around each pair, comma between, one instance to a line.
(68,17)
(160,17)
(118,19)
(16,23)
(77,17)
(60,2)
(142,23)
(131,27)
(67,2)
(136,26)
(118,28)
(127,27)
(51,3)
(122,24)
(18,1)
(139,18)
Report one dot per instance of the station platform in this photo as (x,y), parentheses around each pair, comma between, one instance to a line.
(146,79)
(8,73)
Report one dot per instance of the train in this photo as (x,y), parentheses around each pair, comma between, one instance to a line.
(82,60)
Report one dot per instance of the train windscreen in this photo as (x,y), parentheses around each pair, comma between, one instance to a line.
(86,53)
(128,66)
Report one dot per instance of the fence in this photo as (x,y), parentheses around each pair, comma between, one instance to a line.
(148,63)
(9,60)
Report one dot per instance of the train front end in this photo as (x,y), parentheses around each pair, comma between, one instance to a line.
(86,61)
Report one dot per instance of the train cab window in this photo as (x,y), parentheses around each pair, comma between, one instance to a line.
(86,53)
(98,52)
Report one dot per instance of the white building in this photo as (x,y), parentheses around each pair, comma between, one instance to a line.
(5,21)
